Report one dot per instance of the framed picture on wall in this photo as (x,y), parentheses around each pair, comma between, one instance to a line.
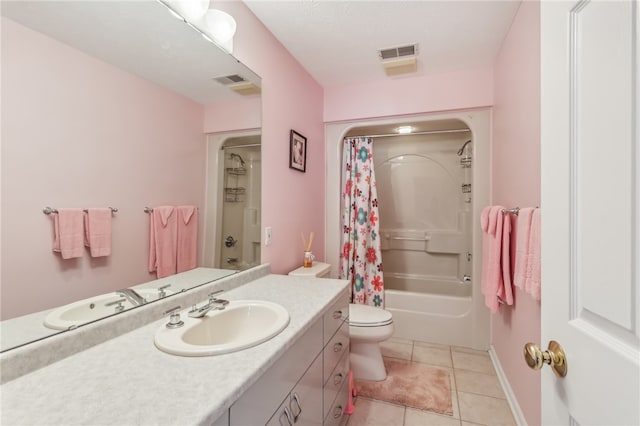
(297,152)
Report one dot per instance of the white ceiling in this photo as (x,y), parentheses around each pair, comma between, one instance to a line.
(337,42)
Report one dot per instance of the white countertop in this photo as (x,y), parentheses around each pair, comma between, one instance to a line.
(128,381)
(27,328)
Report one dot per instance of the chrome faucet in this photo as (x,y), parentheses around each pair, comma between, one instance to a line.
(213,303)
(132,296)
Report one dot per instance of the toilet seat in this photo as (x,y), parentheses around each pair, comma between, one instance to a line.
(368,316)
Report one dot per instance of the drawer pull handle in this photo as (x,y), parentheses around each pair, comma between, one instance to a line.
(296,399)
(337,347)
(337,314)
(287,416)
(337,412)
(337,379)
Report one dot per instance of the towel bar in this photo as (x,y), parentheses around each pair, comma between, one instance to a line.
(514,210)
(50,210)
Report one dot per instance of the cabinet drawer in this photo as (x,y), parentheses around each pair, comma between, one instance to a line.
(335,316)
(336,409)
(339,375)
(257,404)
(337,346)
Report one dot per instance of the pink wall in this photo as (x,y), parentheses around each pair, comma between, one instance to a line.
(400,96)
(292,202)
(237,115)
(77,132)
(516,182)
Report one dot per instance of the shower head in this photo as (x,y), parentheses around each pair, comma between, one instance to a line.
(461,150)
(233,155)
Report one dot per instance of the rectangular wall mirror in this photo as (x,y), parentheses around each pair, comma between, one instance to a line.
(105,103)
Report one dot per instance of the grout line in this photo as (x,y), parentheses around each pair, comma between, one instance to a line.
(455,381)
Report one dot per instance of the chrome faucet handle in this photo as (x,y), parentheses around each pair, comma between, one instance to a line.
(212,295)
(174,319)
(161,292)
(118,302)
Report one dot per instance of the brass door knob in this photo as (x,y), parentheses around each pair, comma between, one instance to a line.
(554,356)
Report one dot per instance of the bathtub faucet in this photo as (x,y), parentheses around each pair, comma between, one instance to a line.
(466,279)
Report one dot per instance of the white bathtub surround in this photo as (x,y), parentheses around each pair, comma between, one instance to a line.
(432,317)
(434,245)
(19,361)
(126,380)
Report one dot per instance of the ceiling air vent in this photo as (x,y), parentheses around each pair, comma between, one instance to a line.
(239,84)
(230,79)
(399,60)
(398,52)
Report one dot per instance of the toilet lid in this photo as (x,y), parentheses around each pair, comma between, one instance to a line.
(368,316)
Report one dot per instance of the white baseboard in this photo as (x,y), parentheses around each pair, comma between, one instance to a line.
(511,397)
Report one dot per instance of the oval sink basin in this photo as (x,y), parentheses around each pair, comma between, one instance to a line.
(83,311)
(93,308)
(241,325)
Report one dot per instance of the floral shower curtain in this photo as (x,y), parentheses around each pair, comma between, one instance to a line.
(361,258)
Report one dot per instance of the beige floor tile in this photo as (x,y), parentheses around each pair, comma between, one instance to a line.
(485,410)
(433,356)
(469,351)
(395,349)
(400,340)
(470,424)
(431,345)
(415,417)
(480,383)
(478,363)
(369,412)
(456,404)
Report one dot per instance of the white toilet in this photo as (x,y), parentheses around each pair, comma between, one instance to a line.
(368,326)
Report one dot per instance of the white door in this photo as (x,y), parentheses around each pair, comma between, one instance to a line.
(591,208)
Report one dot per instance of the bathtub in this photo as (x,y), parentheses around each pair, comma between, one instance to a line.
(430,309)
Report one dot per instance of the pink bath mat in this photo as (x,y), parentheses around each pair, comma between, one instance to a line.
(413,385)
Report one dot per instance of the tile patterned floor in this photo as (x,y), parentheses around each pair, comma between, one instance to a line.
(478,398)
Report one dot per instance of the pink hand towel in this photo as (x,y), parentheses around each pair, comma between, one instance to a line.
(505,290)
(532,284)
(68,236)
(496,267)
(97,231)
(187,238)
(162,241)
(491,261)
(484,219)
(523,231)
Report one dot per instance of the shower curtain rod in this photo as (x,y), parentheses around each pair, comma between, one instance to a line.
(428,132)
(241,146)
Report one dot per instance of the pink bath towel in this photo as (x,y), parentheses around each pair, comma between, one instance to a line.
(187,238)
(505,291)
(68,236)
(495,258)
(162,240)
(97,231)
(523,231)
(533,281)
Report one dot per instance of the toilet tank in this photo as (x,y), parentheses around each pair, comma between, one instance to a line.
(318,270)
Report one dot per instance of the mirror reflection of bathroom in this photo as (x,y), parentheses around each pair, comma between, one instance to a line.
(239,209)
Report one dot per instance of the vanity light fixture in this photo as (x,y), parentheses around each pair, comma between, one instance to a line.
(190,10)
(214,25)
(403,130)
